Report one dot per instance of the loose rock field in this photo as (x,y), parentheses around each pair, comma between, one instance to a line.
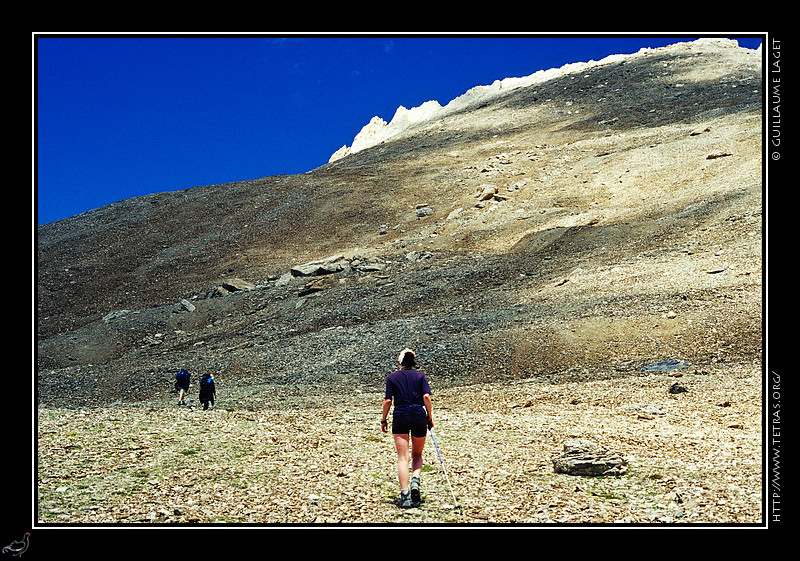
(693,457)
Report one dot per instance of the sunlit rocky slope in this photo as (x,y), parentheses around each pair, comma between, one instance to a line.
(595,219)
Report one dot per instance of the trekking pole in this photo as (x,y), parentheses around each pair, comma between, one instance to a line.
(443,468)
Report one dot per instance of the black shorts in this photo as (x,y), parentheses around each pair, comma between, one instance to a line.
(417,425)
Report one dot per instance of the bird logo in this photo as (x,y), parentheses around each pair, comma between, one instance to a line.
(18,547)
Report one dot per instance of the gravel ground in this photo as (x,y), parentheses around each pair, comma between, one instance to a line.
(693,457)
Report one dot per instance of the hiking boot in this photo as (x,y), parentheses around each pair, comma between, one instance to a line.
(405,500)
(416,499)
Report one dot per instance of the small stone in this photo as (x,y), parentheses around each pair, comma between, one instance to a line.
(454,213)
(487,192)
(699,131)
(677,387)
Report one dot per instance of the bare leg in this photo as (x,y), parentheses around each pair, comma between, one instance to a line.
(401,445)
(417,445)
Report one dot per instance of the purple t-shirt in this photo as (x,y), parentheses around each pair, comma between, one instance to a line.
(407,387)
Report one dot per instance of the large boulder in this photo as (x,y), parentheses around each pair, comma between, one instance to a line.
(321,267)
(227,286)
(237,285)
(582,457)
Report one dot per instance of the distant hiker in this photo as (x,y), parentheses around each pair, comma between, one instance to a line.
(182,385)
(413,414)
(208,391)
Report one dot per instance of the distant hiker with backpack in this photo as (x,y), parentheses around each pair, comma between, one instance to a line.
(408,389)
(208,391)
(182,385)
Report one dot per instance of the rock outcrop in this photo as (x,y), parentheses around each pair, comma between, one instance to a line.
(582,457)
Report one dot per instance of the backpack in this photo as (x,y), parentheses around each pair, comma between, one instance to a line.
(182,379)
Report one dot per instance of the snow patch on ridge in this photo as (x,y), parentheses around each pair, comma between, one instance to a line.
(378,130)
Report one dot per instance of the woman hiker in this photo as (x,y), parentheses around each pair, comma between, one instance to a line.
(413,416)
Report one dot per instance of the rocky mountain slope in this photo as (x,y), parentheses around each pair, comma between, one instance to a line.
(621,225)
(541,248)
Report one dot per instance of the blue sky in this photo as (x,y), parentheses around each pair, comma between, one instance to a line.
(123,116)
